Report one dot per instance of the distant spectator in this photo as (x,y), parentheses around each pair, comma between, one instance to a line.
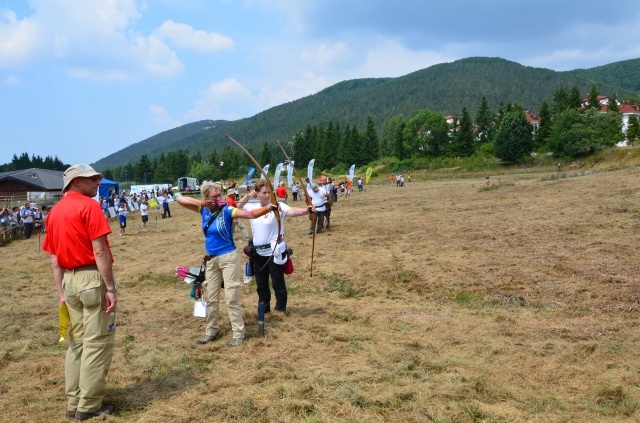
(26,217)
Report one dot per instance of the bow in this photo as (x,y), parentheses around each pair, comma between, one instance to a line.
(309,203)
(274,200)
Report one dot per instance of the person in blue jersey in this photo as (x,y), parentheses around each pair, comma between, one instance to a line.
(223,263)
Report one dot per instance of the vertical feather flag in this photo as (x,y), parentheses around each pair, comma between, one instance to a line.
(290,174)
(266,171)
(367,175)
(250,173)
(276,178)
(352,170)
(310,170)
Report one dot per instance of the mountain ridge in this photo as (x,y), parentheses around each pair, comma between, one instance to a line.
(444,88)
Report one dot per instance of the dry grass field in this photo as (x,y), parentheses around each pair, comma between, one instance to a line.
(443,301)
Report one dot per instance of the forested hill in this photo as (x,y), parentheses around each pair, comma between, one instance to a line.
(445,88)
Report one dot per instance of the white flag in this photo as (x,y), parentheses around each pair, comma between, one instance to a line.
(266,171)
(276,178)
(310,170)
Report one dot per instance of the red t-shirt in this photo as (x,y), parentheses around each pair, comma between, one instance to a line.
(71,226)
(281,192)
(231,202)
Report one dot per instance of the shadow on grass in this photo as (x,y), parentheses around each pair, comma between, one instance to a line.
(138,396)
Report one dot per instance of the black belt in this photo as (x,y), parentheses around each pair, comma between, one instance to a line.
(262,247)
(208,257)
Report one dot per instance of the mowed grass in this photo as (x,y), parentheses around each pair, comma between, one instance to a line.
(442,301)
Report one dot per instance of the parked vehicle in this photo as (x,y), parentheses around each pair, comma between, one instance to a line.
(188,184)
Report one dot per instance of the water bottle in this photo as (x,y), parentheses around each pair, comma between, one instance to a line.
(249,274)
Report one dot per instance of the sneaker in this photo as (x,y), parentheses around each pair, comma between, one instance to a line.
(206,339)
(106,409)
(235,342)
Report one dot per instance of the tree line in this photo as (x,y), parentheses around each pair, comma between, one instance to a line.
(566,129)
(25,162)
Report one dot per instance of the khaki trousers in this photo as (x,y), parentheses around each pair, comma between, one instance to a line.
(226,267)
(91,336)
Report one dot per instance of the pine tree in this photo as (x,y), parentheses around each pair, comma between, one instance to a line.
(484,121)
(593,99)
(370,142)
(464,142)
(544,130)
(613,104)
(633,129)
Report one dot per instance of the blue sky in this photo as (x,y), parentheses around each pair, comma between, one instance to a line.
(82,79)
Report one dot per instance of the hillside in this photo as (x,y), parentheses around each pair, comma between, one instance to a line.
(445,88)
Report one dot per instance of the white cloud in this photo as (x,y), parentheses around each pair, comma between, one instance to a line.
(18,39)
(291,90)
(388,58)
(12,80)
(184,36)
(91,38)
(228,93)
(161,117)
(325,55)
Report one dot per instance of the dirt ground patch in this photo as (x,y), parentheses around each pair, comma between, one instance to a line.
(442,301)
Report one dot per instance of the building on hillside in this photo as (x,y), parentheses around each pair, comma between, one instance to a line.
(532,119)
(31,184)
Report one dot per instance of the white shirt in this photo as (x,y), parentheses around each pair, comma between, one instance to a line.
(265,228)
(317,198)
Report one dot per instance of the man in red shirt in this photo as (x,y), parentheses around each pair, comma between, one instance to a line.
(82,270)
(281,192)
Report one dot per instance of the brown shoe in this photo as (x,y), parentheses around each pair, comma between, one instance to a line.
(206,339)
(71,414)
(106,409)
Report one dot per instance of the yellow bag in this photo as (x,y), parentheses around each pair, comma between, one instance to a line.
(63,321)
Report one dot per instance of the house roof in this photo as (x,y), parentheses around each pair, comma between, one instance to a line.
(42,179)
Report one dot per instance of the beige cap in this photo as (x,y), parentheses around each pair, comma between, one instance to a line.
(77,171)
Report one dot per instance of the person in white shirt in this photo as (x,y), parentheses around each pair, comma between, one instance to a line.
(269,248)
(318,198)
(144,212)
(26,217)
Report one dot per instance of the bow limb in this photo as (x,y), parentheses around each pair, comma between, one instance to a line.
(274,200)
(309,203)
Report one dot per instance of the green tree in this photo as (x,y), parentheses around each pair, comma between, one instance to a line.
(613,104)
(544,129)
(633,129)
(561,100)
(514,138)
(567,132)
(331,146)
(464,142)
(393,136)
(370,142)
(484,121)
(143,171)
(593,99)
(320,152)
(603,130)
(427,134)
(266,157)
(574,101)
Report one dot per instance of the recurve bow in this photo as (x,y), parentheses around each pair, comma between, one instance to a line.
(274,199)
(309,203)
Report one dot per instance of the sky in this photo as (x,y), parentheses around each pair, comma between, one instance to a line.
(82,79)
